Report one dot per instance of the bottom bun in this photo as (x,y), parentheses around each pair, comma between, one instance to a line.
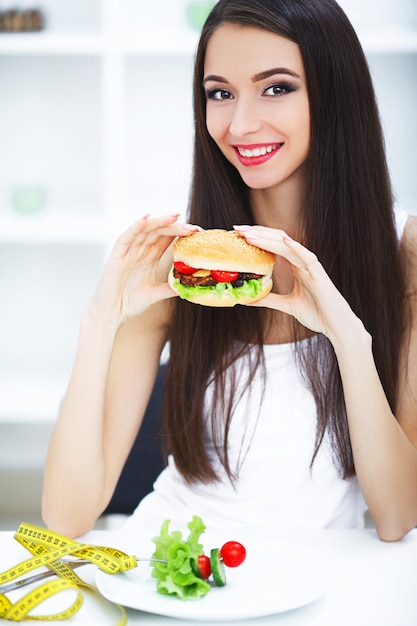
(226,299)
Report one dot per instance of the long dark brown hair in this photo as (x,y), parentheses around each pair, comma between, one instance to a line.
(347,221)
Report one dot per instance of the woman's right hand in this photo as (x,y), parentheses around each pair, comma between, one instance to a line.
(129,285)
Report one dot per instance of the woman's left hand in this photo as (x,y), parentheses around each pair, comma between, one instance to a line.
(314,300)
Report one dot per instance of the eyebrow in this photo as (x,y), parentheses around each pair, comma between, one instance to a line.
(273,72)
(256,77)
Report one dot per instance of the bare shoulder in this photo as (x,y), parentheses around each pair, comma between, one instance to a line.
(407,399)
(409,247)
(410,232)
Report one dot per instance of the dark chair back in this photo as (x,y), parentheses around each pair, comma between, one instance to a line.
(145,461)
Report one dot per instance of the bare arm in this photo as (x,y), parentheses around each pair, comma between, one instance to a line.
(121,337)
(384,448)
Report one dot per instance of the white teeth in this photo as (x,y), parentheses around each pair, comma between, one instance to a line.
(257,151)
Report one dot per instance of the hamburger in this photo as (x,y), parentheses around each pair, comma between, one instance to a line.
(220,268)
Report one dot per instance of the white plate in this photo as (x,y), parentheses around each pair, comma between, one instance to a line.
(272,579)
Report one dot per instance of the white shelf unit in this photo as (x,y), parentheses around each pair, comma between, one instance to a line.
(96,111)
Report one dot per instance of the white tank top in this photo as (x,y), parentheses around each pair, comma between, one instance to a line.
(272,449)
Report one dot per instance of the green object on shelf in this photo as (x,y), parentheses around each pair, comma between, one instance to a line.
(197,12)
(28,200)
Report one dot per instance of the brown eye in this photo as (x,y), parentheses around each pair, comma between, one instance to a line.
(278,89)
(218,94)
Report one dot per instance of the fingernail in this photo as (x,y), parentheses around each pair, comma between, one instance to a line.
(243,227)
(191,227)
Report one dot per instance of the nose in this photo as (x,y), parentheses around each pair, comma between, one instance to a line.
(245,119)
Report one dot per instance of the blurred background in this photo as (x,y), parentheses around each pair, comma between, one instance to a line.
(96,129)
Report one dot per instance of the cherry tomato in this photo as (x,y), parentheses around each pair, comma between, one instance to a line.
(224,277)
(233,553)
(204,566)
(183,268)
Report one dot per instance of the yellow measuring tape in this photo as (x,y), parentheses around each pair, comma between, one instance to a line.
(47,549)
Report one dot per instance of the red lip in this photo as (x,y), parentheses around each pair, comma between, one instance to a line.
(256,160)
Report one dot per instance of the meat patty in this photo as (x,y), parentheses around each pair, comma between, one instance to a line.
(209,281)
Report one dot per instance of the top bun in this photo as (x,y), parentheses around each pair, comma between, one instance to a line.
(225,250)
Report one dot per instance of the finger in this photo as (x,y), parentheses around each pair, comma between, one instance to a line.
(156,242)
(279,242)
(178,230)
(264,232)
(166,225)
(274,301)
(301,257)
(149,230)
(270,239)
(148,224)
(137,227)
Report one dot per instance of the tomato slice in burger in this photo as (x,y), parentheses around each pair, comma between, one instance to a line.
(224,277)
(183,268)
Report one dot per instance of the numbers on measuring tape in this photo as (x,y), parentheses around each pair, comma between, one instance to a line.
(47,549)
(20,610)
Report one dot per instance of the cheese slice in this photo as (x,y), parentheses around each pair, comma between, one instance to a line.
(201,273)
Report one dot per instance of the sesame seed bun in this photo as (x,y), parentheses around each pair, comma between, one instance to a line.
(222,250)
(227,251)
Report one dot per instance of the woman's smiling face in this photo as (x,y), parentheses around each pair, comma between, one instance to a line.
(257,104)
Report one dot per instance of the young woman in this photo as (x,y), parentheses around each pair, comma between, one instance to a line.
(297,412)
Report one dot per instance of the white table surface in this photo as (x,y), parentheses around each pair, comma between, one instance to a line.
(372,584)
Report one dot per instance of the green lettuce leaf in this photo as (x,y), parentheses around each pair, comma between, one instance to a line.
(249,288)
(176,577)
